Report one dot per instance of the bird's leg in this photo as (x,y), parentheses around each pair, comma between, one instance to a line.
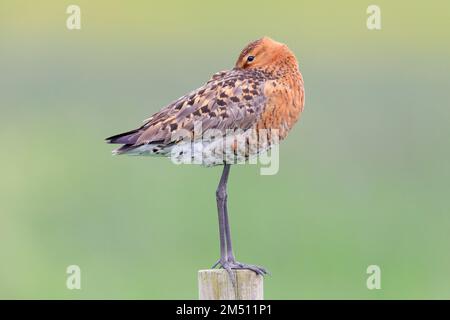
(230,253)
(227,259)
(221,199)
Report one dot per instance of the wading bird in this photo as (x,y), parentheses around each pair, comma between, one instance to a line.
(263,93)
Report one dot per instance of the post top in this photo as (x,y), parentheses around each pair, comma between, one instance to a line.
(215,284)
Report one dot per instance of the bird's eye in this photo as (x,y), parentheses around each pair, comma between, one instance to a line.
(250,58)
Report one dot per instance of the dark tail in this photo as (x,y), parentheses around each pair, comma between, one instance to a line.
(128,139)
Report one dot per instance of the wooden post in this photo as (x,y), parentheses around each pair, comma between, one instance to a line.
(215,284)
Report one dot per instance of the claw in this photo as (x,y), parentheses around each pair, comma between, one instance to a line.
(231,275)
(235,265)
(215,264)
(257,269)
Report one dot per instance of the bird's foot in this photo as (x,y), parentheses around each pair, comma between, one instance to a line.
(232,264)
(216,264)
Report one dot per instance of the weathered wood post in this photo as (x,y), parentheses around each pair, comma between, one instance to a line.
(215,284)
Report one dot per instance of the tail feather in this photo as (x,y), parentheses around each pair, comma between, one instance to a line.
(130,144)
(127,138)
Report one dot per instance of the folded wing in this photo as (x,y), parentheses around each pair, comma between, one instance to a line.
(229,100)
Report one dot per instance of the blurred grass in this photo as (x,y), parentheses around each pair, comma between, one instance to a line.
(363,177)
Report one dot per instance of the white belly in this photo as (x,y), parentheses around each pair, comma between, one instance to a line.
(232,149)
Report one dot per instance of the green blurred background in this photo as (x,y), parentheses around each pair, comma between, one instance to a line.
(364,176)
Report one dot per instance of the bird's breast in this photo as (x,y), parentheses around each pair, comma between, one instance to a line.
(285,103)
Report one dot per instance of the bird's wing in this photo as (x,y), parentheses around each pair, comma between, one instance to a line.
(229,100)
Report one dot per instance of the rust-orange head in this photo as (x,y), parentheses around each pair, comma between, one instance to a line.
(265,53)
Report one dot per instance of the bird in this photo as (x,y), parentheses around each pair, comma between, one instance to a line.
(261,95)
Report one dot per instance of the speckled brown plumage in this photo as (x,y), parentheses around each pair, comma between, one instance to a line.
(265,93)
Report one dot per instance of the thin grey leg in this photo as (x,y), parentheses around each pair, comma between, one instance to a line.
(227,259)
(221,198)
(230,253)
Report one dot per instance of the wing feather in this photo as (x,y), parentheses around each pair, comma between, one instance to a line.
(231,99)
